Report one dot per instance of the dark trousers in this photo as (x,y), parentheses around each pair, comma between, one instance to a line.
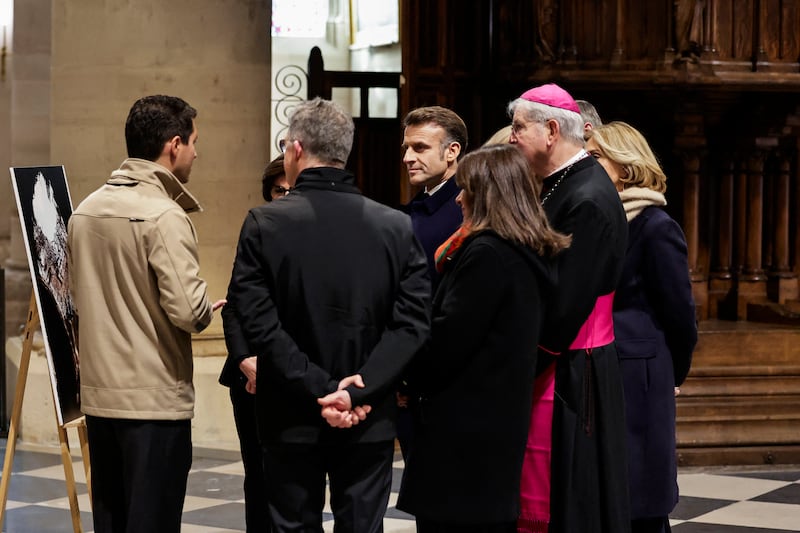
(405,421)
(651,525)
(139,473)
(255,490)
(405,430)
(426,526)
(360,482)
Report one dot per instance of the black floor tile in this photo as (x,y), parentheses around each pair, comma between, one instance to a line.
(40,519)
(215,485)
(397,478)
(691,507)
(32,460)
(31,489)
(789,494)
(228,516)
(205,463)
(775,475)
(391,512)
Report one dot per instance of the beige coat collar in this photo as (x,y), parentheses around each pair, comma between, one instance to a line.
(135,170)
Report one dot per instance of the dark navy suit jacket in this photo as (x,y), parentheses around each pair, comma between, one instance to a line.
(434,219)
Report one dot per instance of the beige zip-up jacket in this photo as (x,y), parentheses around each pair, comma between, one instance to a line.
(136,285)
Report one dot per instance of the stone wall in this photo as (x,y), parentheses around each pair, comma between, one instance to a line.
(78,67)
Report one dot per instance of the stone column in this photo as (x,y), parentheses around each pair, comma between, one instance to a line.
(6,194)
(29,145)
(29,139)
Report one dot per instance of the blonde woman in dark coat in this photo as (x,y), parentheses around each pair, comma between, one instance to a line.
(654,321)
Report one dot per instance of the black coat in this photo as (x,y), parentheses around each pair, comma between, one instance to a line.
(589,490)
(326,284)
(656,331)
(476,379)
(238,349)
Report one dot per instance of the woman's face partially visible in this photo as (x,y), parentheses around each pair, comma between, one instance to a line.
(614,170)
(466,208)
(280,187)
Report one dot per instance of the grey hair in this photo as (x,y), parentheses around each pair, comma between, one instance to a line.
(324,129)
(589,113)
(570,123)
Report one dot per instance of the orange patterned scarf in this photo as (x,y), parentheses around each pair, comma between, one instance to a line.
(450,246)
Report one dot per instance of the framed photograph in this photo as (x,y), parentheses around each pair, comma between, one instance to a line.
(44,208)
(374,22)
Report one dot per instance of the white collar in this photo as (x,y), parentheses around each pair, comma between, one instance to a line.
(431,192)
(580,155)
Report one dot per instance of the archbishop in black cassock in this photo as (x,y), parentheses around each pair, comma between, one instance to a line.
(588,489)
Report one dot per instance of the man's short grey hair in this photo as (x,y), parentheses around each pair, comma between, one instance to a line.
(324,129)
(570,123)
(589,113)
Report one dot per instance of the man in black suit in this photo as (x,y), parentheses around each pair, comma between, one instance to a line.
(333,295)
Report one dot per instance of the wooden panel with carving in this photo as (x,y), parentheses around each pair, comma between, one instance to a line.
(456,34)
(420,26)
(644,29)
(592,30)
(789,45)
(733,33)
(777,35)
(517,37)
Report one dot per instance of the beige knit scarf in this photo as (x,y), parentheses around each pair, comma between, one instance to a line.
(635,199)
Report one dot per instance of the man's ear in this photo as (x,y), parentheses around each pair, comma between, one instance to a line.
(172,145)
(553,128)
(453,151)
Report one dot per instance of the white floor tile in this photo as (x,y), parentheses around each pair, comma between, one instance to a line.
(57,472)
(236,468)
(11,504)
(725,487)
(755,514)
(84,504)
(192,503)
(390,525)
(194,528)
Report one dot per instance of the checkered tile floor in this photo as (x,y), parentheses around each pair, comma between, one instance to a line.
(713,500)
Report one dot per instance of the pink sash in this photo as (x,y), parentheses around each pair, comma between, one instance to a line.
(598,330)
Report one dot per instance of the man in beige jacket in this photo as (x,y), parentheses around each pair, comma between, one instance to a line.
(135,281)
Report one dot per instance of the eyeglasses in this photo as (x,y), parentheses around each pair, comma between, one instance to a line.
(282,144)
(281,190)
(518,127)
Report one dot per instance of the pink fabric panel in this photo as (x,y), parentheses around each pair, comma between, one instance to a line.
(535,482)
(598,330)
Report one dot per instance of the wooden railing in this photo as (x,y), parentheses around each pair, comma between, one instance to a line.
(375,158)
